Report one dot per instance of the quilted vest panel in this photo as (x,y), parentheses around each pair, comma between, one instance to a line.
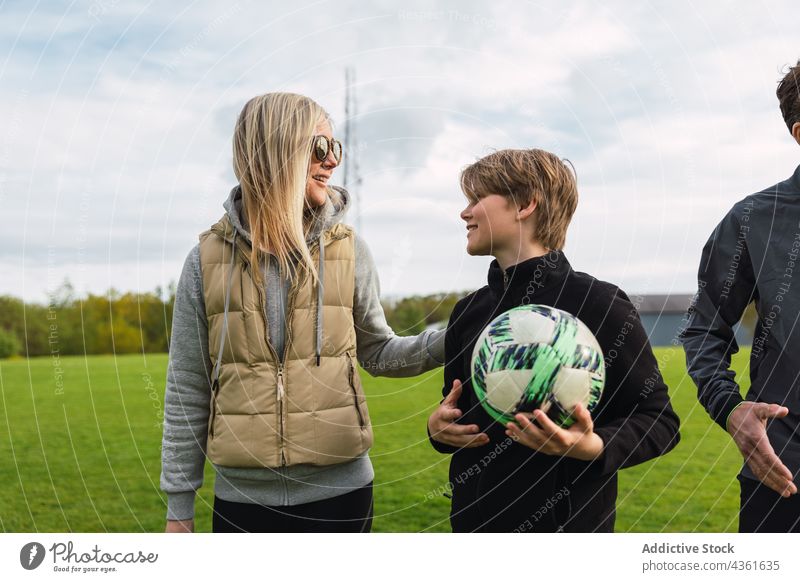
(265,413)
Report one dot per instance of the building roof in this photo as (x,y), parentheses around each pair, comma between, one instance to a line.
(662,304)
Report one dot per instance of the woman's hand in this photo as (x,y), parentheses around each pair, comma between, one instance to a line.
(579,441)
(443,428)
(180,526)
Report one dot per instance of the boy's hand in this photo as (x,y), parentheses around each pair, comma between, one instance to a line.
(442,426)
(579,441)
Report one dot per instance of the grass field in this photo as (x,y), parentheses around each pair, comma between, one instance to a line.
(81,452)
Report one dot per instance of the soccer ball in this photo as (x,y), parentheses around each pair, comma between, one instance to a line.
(536,356)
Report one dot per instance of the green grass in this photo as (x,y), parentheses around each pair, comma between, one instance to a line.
(86,458)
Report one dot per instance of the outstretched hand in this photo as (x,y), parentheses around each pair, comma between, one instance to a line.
(443,428)
(579,441)
(748,427)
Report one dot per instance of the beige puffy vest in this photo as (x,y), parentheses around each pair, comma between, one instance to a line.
(309,409)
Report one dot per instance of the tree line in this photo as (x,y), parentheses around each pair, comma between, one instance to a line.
(125,323)
(69,324)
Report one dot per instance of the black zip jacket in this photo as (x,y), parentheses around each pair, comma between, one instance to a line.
(505,486)
(752,256)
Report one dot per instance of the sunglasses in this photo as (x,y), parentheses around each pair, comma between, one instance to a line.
(322,146)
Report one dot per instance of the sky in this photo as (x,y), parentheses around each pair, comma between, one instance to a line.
(117,117)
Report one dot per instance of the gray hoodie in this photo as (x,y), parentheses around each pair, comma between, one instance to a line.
(188,390)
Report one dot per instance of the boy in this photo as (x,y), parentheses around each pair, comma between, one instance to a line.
(532,475)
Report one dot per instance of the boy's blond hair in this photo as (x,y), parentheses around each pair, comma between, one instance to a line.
(523,176)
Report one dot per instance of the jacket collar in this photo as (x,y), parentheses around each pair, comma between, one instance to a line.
(528,277)
(794,181)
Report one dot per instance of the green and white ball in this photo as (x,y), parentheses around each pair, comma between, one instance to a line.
(536,356)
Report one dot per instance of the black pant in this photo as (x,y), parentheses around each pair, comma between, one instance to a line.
(351,512)
(762,510)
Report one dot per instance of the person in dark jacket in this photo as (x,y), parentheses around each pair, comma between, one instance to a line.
(751,257)
(531,475)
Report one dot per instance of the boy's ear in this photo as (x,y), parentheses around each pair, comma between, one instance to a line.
(525,211)
(796,132)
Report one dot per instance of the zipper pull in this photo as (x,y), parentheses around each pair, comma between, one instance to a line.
(505,279)
(280,384)
(280,393)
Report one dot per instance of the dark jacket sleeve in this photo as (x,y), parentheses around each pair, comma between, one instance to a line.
(453,366)
(725,287)
(634,417)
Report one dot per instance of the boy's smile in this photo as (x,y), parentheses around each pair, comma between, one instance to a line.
(496,226)
(490,223)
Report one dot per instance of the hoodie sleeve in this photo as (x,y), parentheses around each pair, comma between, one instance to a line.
(188,395)
(380,351)
(726,285)
(453,370)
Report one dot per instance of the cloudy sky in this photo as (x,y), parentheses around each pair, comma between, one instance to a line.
(117,119)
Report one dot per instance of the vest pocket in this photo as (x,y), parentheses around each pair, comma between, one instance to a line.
(352,377)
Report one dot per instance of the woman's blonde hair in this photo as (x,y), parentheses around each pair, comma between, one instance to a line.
(271,156)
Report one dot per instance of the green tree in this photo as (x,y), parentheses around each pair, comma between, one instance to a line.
(26,322)
(9,344)
(411,315)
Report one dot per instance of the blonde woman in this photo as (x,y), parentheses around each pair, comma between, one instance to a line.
(275,308)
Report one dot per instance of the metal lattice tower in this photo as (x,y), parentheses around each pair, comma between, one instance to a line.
(352,176)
